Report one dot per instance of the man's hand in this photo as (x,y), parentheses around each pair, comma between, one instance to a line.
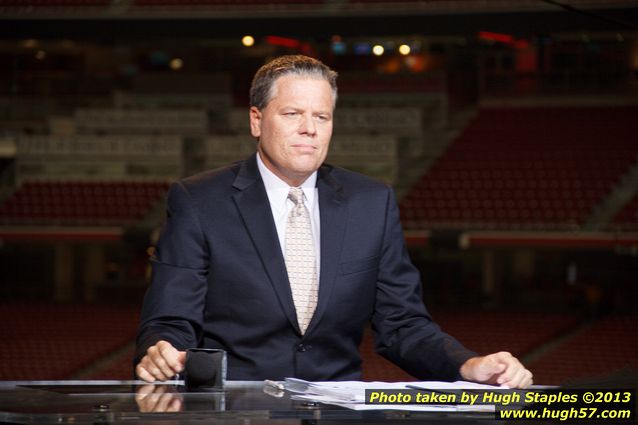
(161,362)
(158,398)
(497,369)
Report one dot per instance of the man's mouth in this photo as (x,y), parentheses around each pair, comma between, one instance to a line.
(304,146)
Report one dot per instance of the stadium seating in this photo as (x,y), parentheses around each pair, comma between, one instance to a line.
(219,3)
(54,341)
(517,332)
(627,217)
(480,331)
(72,203)
(601,348)
(528,168)
(56,3)
(120,367)
(153,121)
(96,342)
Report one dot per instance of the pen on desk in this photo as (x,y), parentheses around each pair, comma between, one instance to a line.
(274,384)
(421,388)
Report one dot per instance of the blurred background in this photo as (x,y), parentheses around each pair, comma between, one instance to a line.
(507,128)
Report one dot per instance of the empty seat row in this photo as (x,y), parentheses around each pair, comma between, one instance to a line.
(568,162)
(517,332)
(73,202)
(54,3)
(600,349)
(54,341)
(627,217)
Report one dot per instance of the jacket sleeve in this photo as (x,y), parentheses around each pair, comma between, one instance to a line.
(174,303)
(404,330)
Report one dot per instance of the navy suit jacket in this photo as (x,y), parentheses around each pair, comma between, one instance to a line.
(219,281)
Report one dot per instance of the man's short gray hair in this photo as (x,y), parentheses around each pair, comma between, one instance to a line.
(303,66)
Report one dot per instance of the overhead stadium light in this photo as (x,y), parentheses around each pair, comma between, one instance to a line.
(176,64)
(248,40)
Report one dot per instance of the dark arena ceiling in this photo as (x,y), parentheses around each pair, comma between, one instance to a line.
(114,19)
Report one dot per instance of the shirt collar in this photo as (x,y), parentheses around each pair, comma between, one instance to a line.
(277,189)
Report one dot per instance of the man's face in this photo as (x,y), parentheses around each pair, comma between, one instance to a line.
(295,127)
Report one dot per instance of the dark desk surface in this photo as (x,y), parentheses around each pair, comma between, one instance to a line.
(135,402)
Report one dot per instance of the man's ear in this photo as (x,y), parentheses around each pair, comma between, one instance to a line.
(255,122)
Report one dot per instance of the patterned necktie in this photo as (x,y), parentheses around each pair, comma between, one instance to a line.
(300,259)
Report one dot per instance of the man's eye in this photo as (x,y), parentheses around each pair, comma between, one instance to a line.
(322,117)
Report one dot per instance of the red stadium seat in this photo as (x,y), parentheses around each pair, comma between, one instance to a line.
(72,203)
(525,166)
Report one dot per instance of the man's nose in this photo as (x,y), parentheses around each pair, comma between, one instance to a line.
(308,125)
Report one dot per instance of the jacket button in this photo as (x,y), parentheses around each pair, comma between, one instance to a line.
(302,348)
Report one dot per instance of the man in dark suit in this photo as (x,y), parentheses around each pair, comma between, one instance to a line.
(282,260)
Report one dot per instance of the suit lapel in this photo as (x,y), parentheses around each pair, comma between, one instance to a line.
(333,224)
(253,205)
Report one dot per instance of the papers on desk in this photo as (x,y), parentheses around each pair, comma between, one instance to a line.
(351,394)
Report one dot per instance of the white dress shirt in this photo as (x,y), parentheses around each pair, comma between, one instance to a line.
(277,191)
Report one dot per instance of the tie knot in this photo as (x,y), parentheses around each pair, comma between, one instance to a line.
(296,195)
